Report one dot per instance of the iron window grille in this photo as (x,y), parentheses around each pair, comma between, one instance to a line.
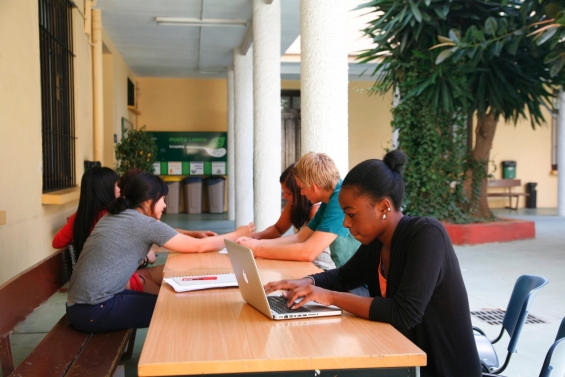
(57,94)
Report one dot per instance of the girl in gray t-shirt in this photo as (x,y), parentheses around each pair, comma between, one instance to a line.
(97,300)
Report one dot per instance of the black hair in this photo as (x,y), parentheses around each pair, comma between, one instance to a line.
(126,178)
(143,186)
(379,179)
(96,193)
(300,207)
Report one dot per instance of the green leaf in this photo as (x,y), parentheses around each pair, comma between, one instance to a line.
(512,46)
(545,36)
(444,55)
(552,56)
(557,67)
(427,2)
(440,13)
(415,11)
(478,36)
(455,35)
(491,26)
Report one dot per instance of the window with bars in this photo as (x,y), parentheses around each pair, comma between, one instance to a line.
(554,130)
(57,94)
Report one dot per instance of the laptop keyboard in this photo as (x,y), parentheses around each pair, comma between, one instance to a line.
(279,305)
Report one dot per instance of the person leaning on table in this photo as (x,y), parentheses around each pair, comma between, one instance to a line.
(409,266)
(319,181)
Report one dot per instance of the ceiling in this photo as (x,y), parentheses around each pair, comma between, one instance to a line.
(153,50)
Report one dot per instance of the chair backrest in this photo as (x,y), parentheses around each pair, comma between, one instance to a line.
(554,363)
(522,297)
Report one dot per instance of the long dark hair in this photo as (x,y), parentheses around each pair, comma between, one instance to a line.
(96,193)
(379,179)
(300,208)
(143,186)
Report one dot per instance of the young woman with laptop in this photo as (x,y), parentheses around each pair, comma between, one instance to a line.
(409,266)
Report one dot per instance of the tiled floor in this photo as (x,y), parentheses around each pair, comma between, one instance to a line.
(489,270)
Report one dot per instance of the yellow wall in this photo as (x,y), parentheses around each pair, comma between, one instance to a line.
(116,73)
(531,149)
(26,237)
(183,104)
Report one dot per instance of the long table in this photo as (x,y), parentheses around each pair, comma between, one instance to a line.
(215,332)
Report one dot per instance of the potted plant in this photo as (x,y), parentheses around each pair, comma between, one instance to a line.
(136,150)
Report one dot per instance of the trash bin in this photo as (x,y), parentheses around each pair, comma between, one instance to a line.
(193,194)
(531,200)
(216,194)
(172,198)
(508,169)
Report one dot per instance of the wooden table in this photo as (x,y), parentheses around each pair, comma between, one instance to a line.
(215,331)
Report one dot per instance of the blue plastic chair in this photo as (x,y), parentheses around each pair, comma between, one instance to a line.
(523,295)
(554,364)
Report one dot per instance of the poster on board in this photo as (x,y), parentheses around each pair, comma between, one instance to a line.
(192,153)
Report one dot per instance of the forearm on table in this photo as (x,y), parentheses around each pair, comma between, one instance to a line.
(269,233)
(286,251)
(354,304)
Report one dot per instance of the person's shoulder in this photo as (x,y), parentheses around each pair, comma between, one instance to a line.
(417,223)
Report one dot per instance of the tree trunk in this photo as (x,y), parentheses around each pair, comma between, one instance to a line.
(484,135)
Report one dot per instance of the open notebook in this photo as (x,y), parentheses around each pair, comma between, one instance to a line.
(198,282)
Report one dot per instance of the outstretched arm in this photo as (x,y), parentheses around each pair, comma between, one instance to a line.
(186,244)
(306,245)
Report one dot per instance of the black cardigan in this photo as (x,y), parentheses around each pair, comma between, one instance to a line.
(425,299)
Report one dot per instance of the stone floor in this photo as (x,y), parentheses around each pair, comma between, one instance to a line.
(489,271)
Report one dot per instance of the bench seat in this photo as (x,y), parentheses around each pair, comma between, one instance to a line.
(506,184)
(64,351)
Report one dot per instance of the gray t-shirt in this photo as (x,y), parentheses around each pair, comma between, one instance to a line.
(112,253)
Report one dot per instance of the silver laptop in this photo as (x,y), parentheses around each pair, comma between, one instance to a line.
(251,287)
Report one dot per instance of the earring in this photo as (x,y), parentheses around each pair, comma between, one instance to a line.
(389,209)
(384,216)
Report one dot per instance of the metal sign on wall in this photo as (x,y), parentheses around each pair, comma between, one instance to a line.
(191,153)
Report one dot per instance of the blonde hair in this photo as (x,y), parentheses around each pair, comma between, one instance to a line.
(317,168)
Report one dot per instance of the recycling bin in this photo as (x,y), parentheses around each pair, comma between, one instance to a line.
(531,200)
(508,169)
(172,198)
(193,194)
(216,187)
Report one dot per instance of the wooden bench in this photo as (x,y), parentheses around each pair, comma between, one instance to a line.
(64,351)
(506,184)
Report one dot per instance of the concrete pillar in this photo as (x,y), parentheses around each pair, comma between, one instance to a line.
(561,156)
(231,145)
(324,79)
(267,112)
(97,86)
(243,99)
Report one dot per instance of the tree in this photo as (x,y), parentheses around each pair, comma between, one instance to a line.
(486,65)
(136,150)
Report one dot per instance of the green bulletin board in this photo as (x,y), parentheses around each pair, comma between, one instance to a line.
(191,153)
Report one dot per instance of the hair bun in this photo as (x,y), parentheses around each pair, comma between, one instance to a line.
(395,160)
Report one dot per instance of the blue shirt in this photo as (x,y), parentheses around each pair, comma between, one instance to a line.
(329,218)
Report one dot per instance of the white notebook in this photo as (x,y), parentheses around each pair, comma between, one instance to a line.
(198,282)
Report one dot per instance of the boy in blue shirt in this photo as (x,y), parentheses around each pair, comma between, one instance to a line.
(318,178)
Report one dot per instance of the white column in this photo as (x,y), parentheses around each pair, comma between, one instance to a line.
(324,79)
(231,145)
(267,111)
(243,116)
(561,156)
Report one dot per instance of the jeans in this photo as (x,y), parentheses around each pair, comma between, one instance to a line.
(126,310)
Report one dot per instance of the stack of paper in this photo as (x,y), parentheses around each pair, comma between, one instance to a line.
(197,282)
